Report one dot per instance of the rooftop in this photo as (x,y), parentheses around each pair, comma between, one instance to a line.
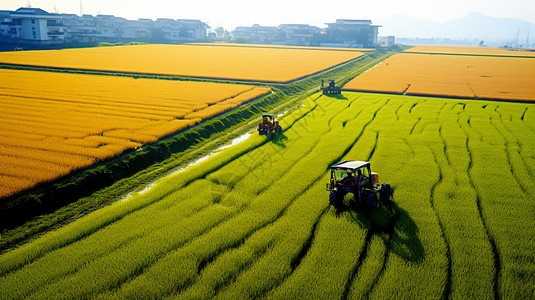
(30,11)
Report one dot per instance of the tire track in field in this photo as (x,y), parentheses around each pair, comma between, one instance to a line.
(242,240)
(379,275)
(254,165)
(447,288)
(242,269)
(369,234)
(362,254)
(444,152)
(121,245)
(496,255)
(140,267)
(217,225)
(254,230)
(306,247)
(314,147)
(360,261)
(304,250)
(295,262)
(511,149)
(54,279)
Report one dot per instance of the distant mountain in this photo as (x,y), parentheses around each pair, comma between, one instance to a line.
(473,26)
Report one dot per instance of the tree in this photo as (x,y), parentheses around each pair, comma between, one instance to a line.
(220,31)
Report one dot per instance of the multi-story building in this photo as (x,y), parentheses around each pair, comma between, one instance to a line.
(342,33)
(181,30)
(31,26)
(80,29)
(352,33)
(191,30)
(297,34)
(255,34)
(36,26)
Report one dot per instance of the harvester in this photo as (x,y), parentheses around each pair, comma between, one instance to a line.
(355,177)
(269,126)
(331,88)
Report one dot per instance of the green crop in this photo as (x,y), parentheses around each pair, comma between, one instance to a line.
(254,221)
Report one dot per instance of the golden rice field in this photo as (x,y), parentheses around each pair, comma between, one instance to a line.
(470,50)
(237,63)
(54,123)
(484,77)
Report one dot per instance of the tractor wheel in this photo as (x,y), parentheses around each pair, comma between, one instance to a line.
(278,130)
(335,199)
(371,199)
(385,192)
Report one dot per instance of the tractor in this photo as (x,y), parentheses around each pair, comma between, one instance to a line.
(269,126)
(331,88)
(356,177)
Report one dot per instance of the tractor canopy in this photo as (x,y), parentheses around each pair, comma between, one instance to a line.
(352,165)
(350,171)
(268,116)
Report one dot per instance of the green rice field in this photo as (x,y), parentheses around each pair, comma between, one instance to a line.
(254,220)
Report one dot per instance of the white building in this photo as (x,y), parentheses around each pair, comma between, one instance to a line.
(386,41)
(353,33)
(255,34)
(80,29)
(38,27)
(297,34)
(31,26)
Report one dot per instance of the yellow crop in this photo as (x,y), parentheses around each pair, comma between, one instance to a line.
(54,123)
(508,78)
(471,50)
(242,63)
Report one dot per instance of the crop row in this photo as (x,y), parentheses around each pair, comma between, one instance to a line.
(55,123)
(254,220)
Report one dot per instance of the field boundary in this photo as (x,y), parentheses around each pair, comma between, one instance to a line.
(439,96)
(470,54)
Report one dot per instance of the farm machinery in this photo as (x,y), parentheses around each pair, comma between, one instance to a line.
(269,126)
(331,88)
(356,177)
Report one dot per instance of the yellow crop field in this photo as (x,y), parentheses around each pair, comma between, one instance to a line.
(54,123)
(470,50)
(237,63)
(487,77)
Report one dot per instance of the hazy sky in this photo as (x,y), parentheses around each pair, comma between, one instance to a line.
(231,13)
